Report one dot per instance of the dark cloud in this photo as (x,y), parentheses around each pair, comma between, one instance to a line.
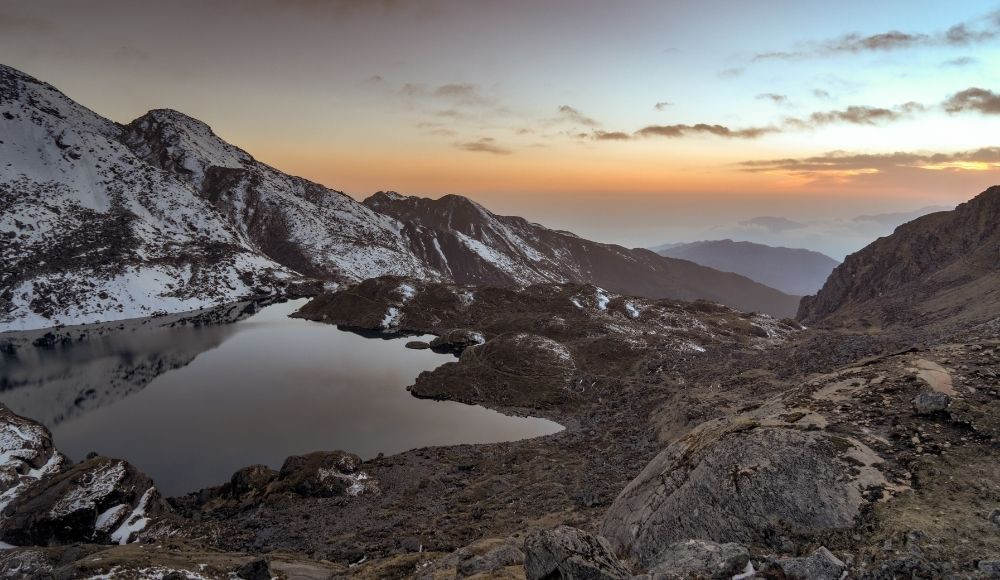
(840,161)
(676,131)
(569,113)
(962,34)
(484,145)
(975,100)
(773,97)
(662,105)
(611,136)
(960,61)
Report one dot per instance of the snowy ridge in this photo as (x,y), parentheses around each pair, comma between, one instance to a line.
(101,221)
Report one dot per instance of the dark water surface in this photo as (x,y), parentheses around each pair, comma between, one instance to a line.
(190,405)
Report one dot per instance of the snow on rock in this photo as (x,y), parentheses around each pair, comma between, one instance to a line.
(26,455)
(135,522)
(391,319)
(90,490)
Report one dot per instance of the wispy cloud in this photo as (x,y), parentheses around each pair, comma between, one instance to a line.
(975,100)
(662,105)
(960,61)
(845,163)
(568,113)
(484,145)
(963,34)
(775,98)
(856,115)
(611,136)
(681,130)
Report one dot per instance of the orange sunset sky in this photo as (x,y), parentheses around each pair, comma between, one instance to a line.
(636,122)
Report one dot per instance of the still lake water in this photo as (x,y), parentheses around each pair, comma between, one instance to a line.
(191,405)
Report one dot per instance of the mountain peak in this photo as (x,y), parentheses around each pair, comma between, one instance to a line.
(171,139)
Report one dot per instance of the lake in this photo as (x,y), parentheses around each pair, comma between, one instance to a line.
(189,404)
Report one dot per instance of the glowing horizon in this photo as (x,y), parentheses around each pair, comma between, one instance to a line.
(624,121)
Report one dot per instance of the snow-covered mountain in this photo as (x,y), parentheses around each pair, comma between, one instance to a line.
(90,231)
(102,221)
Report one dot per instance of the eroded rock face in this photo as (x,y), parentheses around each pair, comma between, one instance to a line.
(736,481)
(100,500)
(569,553)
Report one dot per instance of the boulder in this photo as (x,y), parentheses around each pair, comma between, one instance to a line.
(456,340)
(417,345)
(323,474)
(258,569)
(737,481)
(488,560)
(251,480)
(570,554)
(701,559)
(820,565)
(931,402)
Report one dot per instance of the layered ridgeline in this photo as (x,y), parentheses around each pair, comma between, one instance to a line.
(940,268)
(102,221)
(792,270)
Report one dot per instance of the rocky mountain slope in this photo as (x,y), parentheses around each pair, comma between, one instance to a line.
(102,221)
(940,268)
(90,231)
(792,270)
(476,246)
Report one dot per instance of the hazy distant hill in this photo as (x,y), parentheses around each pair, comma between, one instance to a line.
(791,270)
(942,267)
(102,221)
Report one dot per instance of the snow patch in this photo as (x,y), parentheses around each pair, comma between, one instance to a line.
(135,522)
(391,319)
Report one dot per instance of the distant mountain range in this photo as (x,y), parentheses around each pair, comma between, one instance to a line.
(102,221)
(942,268)
(791,270)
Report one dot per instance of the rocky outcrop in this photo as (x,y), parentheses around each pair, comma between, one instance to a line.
(26,456)
(942,267)
(324,474)
(571,554)
(100,500)
(740,481)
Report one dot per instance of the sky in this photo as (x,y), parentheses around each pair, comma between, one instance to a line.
(636,122)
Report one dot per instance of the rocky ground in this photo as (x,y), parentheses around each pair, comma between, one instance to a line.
(700,442)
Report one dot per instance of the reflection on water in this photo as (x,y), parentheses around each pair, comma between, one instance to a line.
(191,405)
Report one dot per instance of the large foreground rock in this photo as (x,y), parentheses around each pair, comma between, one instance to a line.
(737,481)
